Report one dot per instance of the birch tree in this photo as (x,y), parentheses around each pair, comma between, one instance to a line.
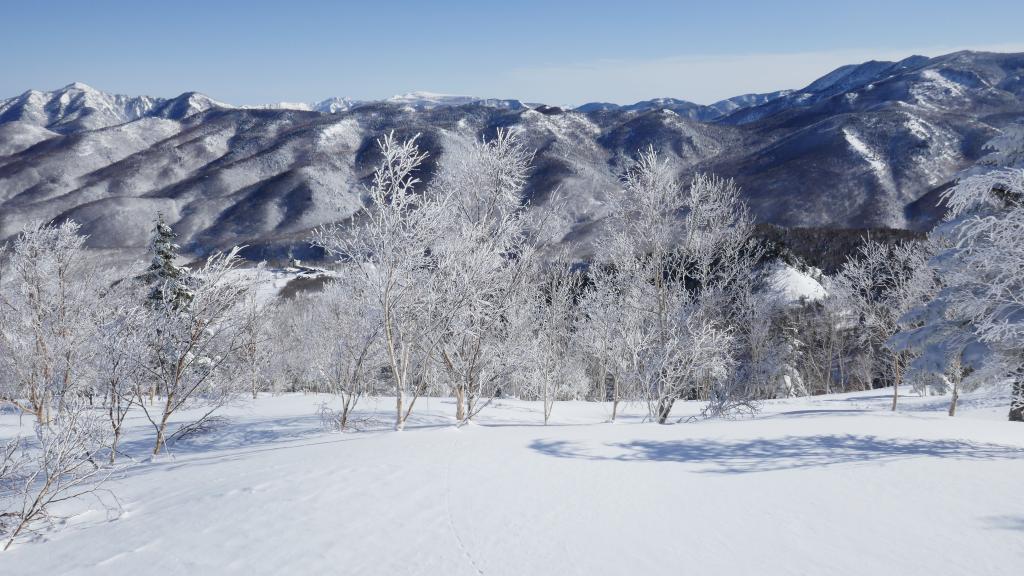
(60,466)
(46,318)
(676,250)
(120,356)
(603,334)
(389,245)
(344,343)
(876,288)
(545,323)
(484,262)
(254,353)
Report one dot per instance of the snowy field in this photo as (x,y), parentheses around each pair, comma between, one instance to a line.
(826,485)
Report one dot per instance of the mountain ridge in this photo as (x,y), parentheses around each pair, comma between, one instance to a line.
(865,145)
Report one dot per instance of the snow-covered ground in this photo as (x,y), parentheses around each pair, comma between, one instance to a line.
(826,485)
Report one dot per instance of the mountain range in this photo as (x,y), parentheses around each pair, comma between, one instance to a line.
(867,145)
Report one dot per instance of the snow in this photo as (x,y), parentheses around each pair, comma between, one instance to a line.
(918,127)
(826,485)
(329,106)
(18,136)
(874,160)
(269,282)
(869,155)
(935,89)
(793,286)
(425,100)
(76,104)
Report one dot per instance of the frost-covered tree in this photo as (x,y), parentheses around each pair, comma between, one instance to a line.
(14,468)
(342,343)
(195,345)
(59,465)
(602,333)
(875,289)
(294,321)
(47,307)
(389,244)
(825,344)
(254,353)
(676,253)
(484,261)
(544,323)
(121,353)
(768,358)
(977,318)
(169,283)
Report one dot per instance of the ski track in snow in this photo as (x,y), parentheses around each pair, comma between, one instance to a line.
(448,506)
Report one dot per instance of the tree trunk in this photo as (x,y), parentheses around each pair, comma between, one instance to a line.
(40,414)
(1017,399)
(113,444)
(161,432)
(952,401)
(399,415)
(544,400)
(897,377)
(664,409)
(160,435)
(615,395)
(345,408)
(460,403)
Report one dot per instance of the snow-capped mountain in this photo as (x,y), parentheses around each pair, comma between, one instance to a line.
(421,100)
(78,107)
(688,109)
(865,145)
(328,106)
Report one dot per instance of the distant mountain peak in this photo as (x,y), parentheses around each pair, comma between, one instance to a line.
(422,99)
(80,86)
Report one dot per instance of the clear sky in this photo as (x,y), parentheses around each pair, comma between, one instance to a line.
(548,51)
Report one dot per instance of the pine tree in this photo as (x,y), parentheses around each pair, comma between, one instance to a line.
(170,283)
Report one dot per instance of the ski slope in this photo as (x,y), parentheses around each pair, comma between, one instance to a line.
(826,485)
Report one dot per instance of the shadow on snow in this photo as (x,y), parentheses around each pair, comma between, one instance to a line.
(765,455)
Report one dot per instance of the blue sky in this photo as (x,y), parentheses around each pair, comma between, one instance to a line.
(550,51)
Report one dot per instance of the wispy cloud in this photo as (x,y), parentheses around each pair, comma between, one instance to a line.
(700,78)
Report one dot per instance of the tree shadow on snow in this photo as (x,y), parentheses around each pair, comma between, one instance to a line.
(1006,522)
(228,438)
(226,434)
(819,412)
(791,452)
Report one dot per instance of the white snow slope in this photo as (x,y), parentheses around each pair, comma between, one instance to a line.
(794,286)
(829,485)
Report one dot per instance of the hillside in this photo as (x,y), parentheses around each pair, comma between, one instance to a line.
(864,146)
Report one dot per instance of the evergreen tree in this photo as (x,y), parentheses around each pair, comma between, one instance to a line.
(170,283)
